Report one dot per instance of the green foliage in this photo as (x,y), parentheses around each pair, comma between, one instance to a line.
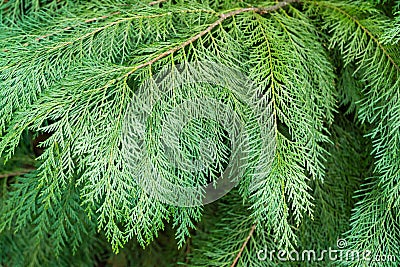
(391,35)
(325,81)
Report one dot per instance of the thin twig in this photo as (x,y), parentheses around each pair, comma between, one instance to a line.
(187,252)
(244,245)
(261,10)
(224,16)
(379,44)
(157,2)
(18,173)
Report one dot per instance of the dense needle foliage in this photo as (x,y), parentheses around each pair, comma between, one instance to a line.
(326,75)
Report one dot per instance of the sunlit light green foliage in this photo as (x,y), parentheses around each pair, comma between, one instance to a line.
(328,71)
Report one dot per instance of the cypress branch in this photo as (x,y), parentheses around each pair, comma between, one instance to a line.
(299,99)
